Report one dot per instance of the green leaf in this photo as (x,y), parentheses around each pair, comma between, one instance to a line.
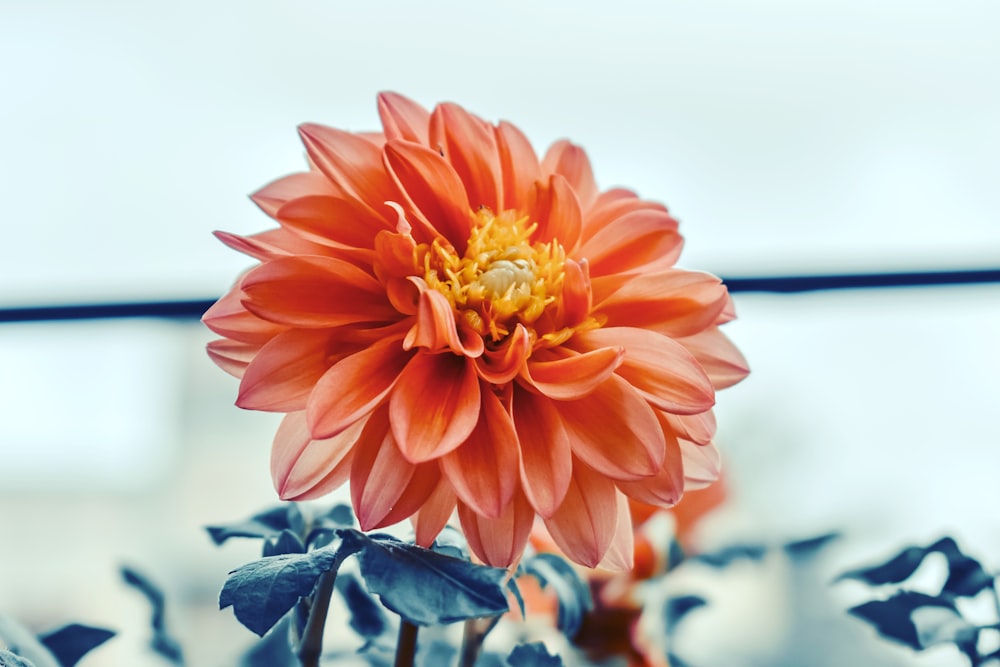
(263,591)
(71,642)
(425,587)
(162,642)
(572,592)
(533,655)
(268,523)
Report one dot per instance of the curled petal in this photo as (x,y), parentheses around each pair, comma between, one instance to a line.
(498,542)
(385,487)
(304,468)
(662,369)
(546,456)
(675,302)
(315,292)
(501,365)
(232,356)
(573,376)
(435,405)
(620,555)
(702,464)
(284,372)
(577,300)
(518,166)
(554,206)
(434,514)
(273,196)
(436,329)
(324,219)
(571,162)
(434,191)
(644,240)
(470,147)
(402,118)
(354,386)
(484,470)
(723,362)
(394,254)
(614,430)
(664,489)
(586,521)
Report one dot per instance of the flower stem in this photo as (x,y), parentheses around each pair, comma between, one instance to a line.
(311,645)
(406,647)
(472,641)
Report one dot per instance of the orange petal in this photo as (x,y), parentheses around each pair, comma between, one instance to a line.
(232,356)
(352,162)
(394,255)
(501,365)
(585,523)
(723,362)
(611,205)
(577,300)
(284,372)
(354,386)
(228,317)
(324,219)
(402,118)
(385,487)
(435,329)
(640,240)
(315,292)
(554,206)
(433,189)
(518,166)
(302,467)
(498,542)
(614,430)
(435,405)
(546,456)
(470,146)
(484,469)
(273,196)
(571,162)
(664,488)
(573,376)
(702,464)
(662,369)
(674,302)
(620,555)
(434,514)
(699,428)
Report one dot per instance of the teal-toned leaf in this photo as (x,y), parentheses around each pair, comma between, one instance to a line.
(22,644)
(678,607)
(894,618)
(263,591)
(451,542)
(268,523)
(807,548)
(723,557)
(512,587)
(571,590)
(533,655)
(273,650)
(162,641)
(966,577)
(286,542)
(367,617)
(425,587)
(71,642)
(324,526)
(8,659)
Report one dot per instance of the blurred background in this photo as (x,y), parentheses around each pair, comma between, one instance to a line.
(788,137)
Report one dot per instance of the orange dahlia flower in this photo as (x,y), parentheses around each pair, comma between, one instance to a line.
(451,323)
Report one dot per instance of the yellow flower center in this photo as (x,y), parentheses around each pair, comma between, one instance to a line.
(502,279)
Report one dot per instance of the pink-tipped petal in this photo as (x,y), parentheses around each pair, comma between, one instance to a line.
(302,467)
(586,521)
(568,376)
(663,371)
(546,456)
(470,147)
(484,470)
(354,386)
(284,372)
(315,292)
(498,542)
(402,118)
(614,430)
(435,405)
(571,162)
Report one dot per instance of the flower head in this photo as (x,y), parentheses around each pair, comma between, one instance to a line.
(451,323)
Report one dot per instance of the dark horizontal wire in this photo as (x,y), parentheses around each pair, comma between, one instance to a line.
(195,308)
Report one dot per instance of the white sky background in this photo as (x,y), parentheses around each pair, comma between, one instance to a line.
(787,136)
